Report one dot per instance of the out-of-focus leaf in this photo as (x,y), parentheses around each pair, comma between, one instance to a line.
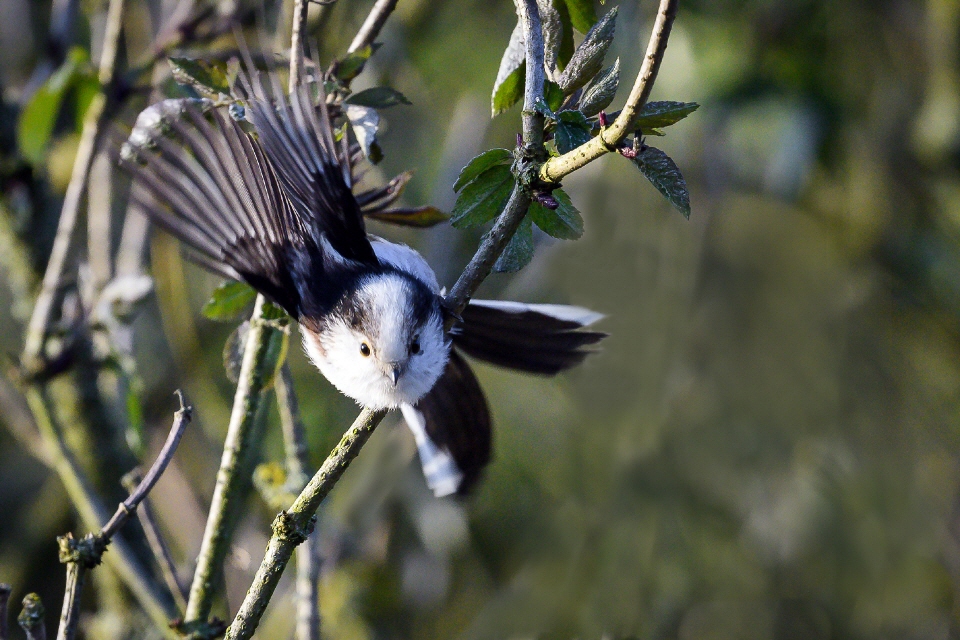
(572,130)
(378,98)
(582,14)
(663,114)
(228,301)
(40,113)
(600,92)
(553,95)
(420,217)
(663,172)
(587,60)
(351,66)
(552,33)
(365,122)
(233,351)
(564,222)
(206,76)
(483,198)
(85,89)
(508,87)
(519,250)
(566,41)
(480,164)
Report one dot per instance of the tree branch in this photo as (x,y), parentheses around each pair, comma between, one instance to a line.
(92,128)
(82,555)
(296,42)
(4,599)
(373,24)
(555,169)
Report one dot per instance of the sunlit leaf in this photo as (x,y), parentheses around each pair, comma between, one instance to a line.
(587,60)
(206,76)
(582,14)
(552,33)
(483,198)
(572,130)
(564,222)
(663,172)
(598,95)
(377,98)
(519,250)
(420,217)
(480,164)
(228,301)
(663,114)
(508,87)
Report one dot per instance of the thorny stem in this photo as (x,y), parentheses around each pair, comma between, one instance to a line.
(82,555)
(93,125)
(610,137)
(265,343)
(373,24)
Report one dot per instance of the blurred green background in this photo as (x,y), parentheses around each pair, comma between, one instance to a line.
(767,445)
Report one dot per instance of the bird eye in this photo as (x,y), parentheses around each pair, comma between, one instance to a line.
(415,346)
(364,349)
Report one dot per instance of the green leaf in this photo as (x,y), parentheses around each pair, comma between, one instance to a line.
(508,87)
(587,60)
(553,95)
(351,66)
(420,217)
(572,130)
(228,301)
(566,42)
(86,87)
(600,92)
(377,98)
(480,164)
(564,222)
(663,114)
(519,251)
(582,14)
(552,27)
(663,172)
(206,76)
(483,198)
(38,117)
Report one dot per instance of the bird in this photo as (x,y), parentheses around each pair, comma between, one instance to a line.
(268,199)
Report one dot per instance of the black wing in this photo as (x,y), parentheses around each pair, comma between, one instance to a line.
(534,338)
(217,192)
(457,419)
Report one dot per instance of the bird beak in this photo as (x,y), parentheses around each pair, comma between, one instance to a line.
(395,371)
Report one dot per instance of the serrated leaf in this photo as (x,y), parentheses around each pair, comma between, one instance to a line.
(587,60)
(564,222)
(206,76)
(566,41)
(519,250)
(483,197)
(663,114)
(600,92)
(480,164)
(351,66)
(38,117)
(365,122)
(662,171)
(582,14)
(552,34)
(572,131)
(228,301)
(420,217)
(540,106)
(377,98)
(508,87)
(553,95)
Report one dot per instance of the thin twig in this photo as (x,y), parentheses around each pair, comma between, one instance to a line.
(4,599)
(161,551)
(555,169)
(373,24)
(264,345)
(31,618)
(86,553)
(93,124)
(296,42)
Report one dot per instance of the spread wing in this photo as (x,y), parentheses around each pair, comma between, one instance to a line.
(275,210)
(536,338)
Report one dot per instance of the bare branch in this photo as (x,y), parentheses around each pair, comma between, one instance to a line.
(296,42)
(555,169)
(373,24)
(4,599)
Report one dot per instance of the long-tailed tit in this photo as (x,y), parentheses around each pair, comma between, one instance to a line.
(277,210)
